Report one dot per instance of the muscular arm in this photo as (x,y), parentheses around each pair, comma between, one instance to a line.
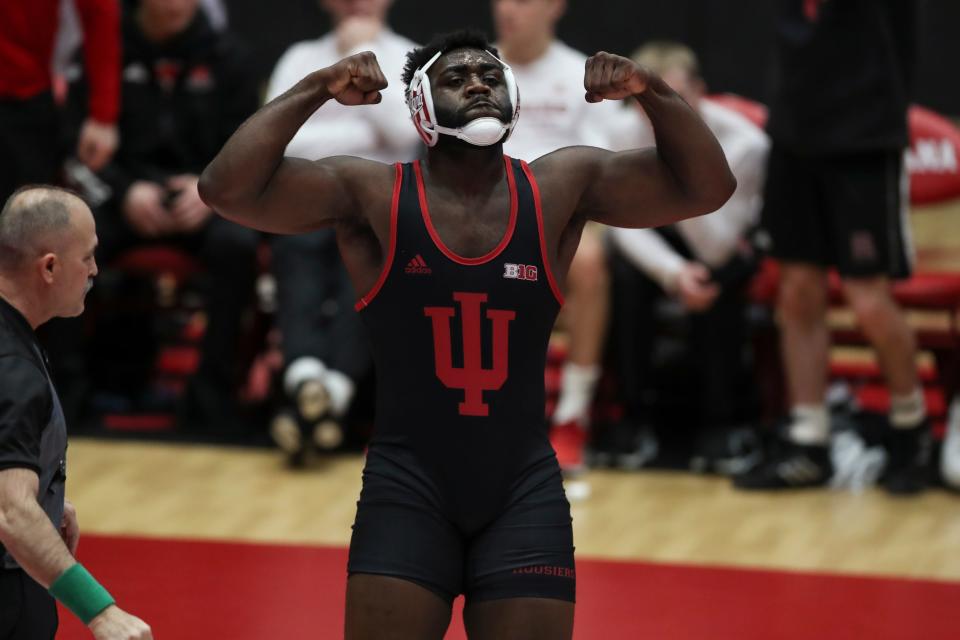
(684,176)
(250,181)
(26,531)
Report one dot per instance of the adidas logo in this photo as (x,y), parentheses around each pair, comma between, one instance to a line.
(418,266)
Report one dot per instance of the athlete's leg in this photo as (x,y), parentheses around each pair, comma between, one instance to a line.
(908,441)
(886,328)
(871,190)
(387,608)
(805,340)
(798,222)
(802,458)
(406,556)
(520,576)
(519,619)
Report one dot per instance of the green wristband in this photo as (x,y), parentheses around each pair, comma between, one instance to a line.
(78,591)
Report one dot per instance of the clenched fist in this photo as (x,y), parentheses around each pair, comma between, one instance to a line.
(114,623)
(611,77)
(355,80)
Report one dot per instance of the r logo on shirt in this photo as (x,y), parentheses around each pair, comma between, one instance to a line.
(519,271)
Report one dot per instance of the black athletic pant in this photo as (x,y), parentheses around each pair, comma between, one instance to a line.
(315,304)
(27,611)
(30,146)
(227,251)
(716,339)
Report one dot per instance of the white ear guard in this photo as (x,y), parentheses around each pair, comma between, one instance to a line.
(420,102)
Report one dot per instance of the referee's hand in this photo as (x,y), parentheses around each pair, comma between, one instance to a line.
(114,623)
(70,528)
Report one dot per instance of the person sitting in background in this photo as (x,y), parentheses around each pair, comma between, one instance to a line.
(185,88)
(326,353)
(554,116)
(704,263)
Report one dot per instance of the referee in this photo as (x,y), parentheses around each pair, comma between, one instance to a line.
(47,241)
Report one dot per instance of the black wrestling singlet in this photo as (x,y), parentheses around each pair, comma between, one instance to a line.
(460,347)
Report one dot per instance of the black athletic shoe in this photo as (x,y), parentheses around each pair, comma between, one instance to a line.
(787,465)
(726,451)
(622,445)
(908,460)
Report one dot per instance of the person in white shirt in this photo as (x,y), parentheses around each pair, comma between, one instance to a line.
(549,75)
(703,263)
(325,351)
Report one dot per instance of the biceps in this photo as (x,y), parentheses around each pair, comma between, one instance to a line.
(304,196)
(632,189)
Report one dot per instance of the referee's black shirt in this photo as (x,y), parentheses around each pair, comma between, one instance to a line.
(843,75)
(33,433)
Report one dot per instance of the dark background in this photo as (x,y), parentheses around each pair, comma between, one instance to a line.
(734,38)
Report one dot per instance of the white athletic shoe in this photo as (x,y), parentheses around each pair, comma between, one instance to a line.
(950,453)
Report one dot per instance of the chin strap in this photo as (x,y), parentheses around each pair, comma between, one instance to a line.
(482,132)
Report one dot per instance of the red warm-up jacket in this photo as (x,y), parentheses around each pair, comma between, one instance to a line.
(28,30)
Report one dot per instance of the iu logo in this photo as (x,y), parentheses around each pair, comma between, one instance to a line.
(471,377)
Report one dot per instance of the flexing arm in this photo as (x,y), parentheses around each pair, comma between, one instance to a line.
(685,175)
(717,237)
(250,181)
(387,124)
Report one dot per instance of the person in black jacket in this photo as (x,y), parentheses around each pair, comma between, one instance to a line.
(836,197)
(185,88)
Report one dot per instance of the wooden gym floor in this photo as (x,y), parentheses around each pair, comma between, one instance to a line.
(214,543)
(659,554)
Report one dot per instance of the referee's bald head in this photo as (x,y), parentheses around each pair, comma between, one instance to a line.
(36,220)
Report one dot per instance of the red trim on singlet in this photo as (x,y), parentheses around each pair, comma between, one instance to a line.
(511,183)
(391,250)
(543,237)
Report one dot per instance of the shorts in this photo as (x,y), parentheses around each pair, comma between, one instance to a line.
(525,550)
(845,211)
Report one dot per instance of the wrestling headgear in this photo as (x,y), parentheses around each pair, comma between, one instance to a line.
(481,132)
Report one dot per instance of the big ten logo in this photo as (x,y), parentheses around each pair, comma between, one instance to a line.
(519,271)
